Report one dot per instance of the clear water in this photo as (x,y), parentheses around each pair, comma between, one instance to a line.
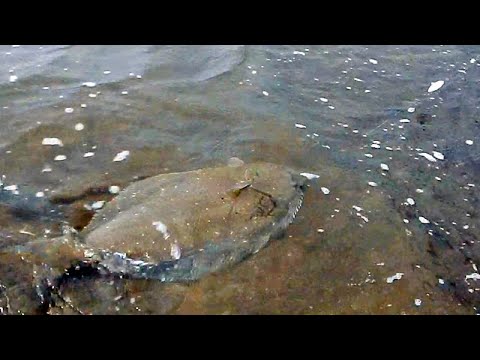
(178,108)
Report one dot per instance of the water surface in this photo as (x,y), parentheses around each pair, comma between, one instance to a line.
(314,108)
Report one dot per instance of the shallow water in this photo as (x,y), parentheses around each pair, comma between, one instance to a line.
(178,108)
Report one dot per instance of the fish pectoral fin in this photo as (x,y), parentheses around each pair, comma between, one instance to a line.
(236,189)
(234,192)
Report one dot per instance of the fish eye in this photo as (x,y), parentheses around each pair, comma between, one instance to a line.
(302,187)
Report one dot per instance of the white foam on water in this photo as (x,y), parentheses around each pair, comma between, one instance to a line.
(97,205)
(438,155)
(114,189)
(121,156)
(473,276)
(11,188)
(436,85)
(310,176)
(423,220)
(392,278)
(428,157)
(52,142)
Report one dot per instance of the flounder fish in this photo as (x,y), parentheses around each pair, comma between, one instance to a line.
(179,227)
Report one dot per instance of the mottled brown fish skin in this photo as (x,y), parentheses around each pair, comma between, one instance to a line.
(242,208)
(214,217)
